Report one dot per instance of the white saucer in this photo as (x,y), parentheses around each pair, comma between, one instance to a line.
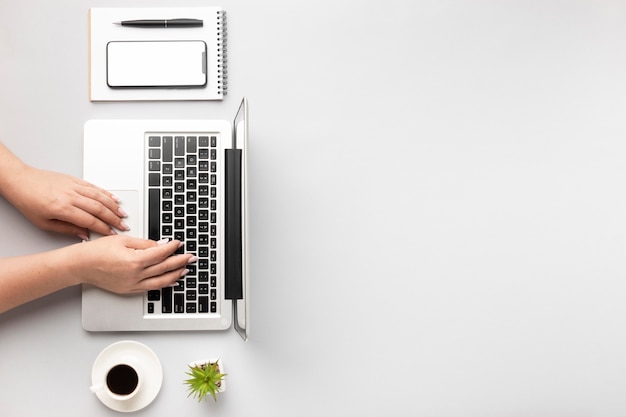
(143,359)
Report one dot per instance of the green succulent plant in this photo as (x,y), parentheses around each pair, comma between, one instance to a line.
(204,379)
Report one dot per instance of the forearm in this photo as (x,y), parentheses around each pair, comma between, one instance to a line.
(10,168)
(25,278)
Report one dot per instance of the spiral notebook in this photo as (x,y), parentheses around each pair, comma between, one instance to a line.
(103,32)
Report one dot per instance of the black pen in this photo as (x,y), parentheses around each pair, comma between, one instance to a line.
(162,23)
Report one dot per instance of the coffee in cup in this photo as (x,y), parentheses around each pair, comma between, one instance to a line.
(121,382)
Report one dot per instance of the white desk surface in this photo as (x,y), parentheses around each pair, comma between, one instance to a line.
(438,209)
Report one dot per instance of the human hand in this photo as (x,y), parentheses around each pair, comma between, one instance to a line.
(124,264)
(64,204)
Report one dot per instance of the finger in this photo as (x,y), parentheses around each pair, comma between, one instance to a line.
(104,197)
(168,264)
(98,212)
(165,246)
(85,220)
(91,186)
(161,281)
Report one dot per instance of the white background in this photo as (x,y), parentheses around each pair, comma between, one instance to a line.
(437,209)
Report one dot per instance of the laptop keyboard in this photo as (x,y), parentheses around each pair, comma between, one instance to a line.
(183,177)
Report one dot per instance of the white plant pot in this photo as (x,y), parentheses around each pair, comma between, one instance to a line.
(213,360)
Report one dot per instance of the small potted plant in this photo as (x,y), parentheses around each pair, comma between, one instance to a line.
(205,377)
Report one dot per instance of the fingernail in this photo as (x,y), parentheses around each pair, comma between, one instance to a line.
(181,244)
(185,272)
(121,212)
(113,232)
(124,226)
(116,198)
(84,238)
(163,241)
(192,259)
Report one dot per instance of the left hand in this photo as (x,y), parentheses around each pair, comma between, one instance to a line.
(64,204)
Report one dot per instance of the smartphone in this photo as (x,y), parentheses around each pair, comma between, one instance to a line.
(157,64)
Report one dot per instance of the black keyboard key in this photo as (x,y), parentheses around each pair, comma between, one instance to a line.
(154,215)
(179,303)
(154,295)
(192,144)
(213,307)
(191,308)
(204,141)
(179,146)
(166,302)
(154,141)
(203,304)
(168,146)
(154,179)
(154,153)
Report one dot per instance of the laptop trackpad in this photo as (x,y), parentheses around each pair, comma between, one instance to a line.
(130,203)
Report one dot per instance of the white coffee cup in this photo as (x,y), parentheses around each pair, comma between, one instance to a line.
(121,382)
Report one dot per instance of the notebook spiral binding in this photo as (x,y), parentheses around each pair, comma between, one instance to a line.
(222,54)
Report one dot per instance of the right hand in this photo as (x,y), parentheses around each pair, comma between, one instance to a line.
(124,264)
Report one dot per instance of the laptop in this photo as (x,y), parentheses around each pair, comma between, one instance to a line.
(176,179)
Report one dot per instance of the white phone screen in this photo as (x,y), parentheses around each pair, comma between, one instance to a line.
(156,64)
